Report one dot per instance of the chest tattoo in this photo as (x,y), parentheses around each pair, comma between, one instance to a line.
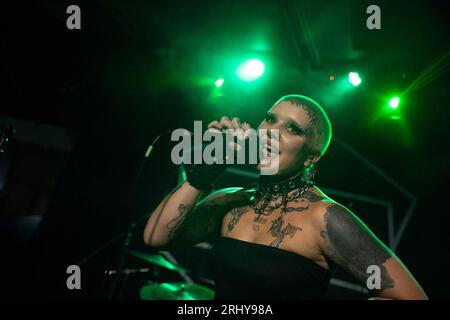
(279,231)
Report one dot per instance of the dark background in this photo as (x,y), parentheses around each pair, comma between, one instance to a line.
(86,104)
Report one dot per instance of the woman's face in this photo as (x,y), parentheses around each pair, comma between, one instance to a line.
(293,124)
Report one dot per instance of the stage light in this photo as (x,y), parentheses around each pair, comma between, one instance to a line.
(250,70)
(354,79)
(219,82)
(394,102)
(331,78)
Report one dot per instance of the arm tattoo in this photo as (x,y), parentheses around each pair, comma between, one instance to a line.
(204,221)
(351,245)
(176,222)
(236,215)
(279,232)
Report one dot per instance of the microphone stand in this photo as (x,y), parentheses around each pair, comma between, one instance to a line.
(125,236)
(124,246)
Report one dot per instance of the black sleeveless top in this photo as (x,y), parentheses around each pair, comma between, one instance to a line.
(245,270)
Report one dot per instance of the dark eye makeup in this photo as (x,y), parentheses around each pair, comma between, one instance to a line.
(293,128)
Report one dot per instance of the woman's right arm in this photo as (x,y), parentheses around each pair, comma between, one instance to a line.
(169,215)
(179,216)
(181,219)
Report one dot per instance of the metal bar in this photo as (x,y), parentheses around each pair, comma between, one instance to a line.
(348,285)
(181,271)
(391,181)
(391,226)
(374,168)
(354,196)
(404,224)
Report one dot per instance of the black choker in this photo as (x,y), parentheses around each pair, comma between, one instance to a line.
(272,191)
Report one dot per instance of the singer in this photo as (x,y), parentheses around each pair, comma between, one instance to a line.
(283,237)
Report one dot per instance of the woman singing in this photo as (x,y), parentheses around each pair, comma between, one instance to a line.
(283,237)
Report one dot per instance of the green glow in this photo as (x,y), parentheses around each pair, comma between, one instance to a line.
(154,259)
(394,102)
(250,70)
(354,79)
(219,82)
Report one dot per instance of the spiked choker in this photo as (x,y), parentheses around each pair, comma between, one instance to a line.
(271,195)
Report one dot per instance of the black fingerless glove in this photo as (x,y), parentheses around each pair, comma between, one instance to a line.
(202,176)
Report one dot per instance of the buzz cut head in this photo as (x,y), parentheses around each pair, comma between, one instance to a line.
(320,125)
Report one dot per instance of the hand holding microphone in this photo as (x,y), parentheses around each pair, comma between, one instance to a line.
(202,176)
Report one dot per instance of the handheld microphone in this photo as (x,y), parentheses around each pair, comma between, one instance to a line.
(230,150)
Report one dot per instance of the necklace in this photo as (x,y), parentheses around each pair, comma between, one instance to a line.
(278,191)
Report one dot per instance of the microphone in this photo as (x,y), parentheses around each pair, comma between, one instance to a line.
(149,150)
(151,146)
(243,151)
(247,148)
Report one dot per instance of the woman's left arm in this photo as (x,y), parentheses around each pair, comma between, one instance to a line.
(348,242)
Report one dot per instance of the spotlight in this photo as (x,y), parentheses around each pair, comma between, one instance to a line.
(354,79)
(219,82)
(250,70)
(394,102)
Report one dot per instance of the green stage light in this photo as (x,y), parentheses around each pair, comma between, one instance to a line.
(394,102)
(219,82)
(250,70)
(354,79)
